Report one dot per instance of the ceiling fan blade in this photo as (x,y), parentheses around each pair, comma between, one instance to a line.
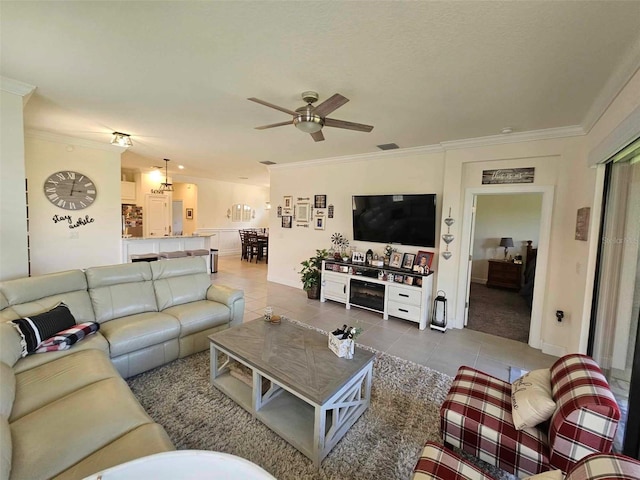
(317,136)
(267,104)
(330,104)
(331,122)
(281,124)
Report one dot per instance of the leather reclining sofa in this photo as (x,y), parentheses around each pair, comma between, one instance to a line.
(69,414)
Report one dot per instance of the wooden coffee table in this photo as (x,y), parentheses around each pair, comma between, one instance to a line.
(313,397)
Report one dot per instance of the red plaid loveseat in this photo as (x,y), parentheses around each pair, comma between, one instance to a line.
(439,463)
(476,417)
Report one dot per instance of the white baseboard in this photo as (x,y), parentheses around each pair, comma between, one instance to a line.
(284,281)
(555,350)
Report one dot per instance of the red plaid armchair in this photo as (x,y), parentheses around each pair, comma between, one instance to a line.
(439,463)
(476,417)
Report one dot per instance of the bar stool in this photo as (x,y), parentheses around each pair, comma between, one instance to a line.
(200,252)
(176,254)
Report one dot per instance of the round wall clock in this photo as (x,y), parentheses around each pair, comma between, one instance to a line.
(70,190)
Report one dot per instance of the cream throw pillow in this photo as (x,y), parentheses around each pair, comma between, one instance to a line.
(531,399)
(550,475)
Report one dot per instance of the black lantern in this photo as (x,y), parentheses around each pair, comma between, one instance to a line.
(439,315)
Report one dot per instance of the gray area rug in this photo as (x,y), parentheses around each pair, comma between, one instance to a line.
(384,444)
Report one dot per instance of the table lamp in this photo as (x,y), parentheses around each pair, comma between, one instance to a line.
(506,242)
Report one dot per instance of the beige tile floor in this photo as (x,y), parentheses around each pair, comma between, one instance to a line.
(443,352)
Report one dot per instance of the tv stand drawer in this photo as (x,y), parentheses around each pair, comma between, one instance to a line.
(405,295)
(402,310)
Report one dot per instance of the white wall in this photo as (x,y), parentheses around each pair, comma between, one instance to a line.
(515,216)
(188,193)
(13,204)
(380,173)
(54,246)
(215,197)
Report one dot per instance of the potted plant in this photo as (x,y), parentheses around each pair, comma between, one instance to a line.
(311,274)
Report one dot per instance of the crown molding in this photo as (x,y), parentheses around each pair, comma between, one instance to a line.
(79,142)
(17,87)
(504,139)
(359,157)
(625,70)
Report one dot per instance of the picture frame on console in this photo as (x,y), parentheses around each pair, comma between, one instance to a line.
(424,259)
(396,260)
(407,260)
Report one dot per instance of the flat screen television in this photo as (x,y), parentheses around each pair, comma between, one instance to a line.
(405,219)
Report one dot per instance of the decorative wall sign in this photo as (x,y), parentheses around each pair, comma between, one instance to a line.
(330,214)
(303,199)
(508,175)
(279,211)
(582,224)
(80,222)
(320,201)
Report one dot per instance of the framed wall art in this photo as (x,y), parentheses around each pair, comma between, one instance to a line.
(288,201)
(303,212)
(319,222)
(320,201)
(286,221)
(189,214)
(330,211)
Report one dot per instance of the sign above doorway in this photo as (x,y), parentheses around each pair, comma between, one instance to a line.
(508,175)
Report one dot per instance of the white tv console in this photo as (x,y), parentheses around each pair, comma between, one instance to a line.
(358,285)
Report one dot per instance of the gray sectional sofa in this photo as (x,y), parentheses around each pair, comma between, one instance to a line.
(69,414)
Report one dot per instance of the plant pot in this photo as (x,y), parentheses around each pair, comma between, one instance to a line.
(314,292)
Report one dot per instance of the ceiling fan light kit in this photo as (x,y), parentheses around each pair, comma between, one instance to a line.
(310,119)
(121,139)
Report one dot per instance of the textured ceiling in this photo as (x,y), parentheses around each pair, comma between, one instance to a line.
(176,75)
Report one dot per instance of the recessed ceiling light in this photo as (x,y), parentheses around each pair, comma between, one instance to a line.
(181,167)
(506,130)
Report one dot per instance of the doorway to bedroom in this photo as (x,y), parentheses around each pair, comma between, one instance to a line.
(505,236)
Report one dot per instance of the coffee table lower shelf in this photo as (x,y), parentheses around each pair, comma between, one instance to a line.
(311,428)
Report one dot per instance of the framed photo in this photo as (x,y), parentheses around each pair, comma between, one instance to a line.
(320,201)
(357,257)
(286,221)
(398,278)
(189,214)
(396,260)
(288,202)
(318,222)
(303,212)
(408,280)
(407,260)
(424,259)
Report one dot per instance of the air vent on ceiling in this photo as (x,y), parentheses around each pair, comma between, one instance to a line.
(268,162)
(388,146)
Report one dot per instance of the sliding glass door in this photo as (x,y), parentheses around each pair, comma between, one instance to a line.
(614,341)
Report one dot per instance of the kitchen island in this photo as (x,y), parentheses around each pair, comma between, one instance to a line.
(142,245)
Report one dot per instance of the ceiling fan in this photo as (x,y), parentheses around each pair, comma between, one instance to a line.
(310,119)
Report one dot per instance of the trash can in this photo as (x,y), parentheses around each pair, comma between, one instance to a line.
(214,260)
